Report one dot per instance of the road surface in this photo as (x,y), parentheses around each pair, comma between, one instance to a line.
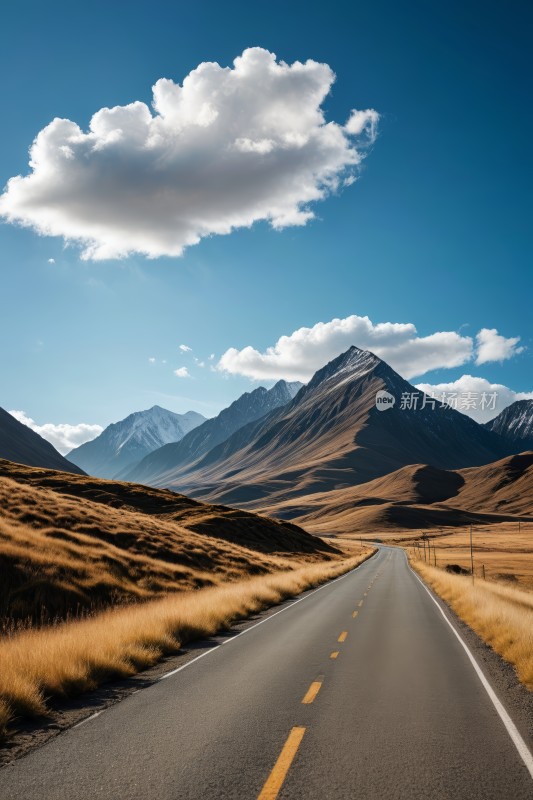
(358,691)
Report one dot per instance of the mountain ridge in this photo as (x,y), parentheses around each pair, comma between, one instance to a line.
(125,442)
(22,445)
(249,407)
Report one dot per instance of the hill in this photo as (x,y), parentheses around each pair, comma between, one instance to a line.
(420,497)
(69,543)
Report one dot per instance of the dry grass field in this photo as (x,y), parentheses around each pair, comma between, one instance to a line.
(500,614)
(504,551)
(73,657)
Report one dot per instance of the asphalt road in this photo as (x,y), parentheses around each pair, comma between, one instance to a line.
(399,712)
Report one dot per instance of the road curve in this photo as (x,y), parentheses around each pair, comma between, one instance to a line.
(359,691)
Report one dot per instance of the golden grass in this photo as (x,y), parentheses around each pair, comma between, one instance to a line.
(78,656)
(500,614)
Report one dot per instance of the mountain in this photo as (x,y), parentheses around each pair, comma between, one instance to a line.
(124,443)
(332,435)
(20,444)
(249,407)
(515,424)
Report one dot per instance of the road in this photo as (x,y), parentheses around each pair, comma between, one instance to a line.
(358,691)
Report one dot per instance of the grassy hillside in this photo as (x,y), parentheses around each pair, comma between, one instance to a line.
(71,543)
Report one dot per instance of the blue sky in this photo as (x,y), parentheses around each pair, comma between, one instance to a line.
(433,233)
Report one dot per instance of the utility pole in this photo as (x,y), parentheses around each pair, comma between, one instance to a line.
(471,555)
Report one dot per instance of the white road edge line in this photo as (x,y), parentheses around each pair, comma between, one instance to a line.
(88,719)
(275,614)
(511,728)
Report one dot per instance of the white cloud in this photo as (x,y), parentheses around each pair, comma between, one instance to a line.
(182,372)
(64,437)
(476,387)
(299,355)
(185,348)
(211,357)
(226,148)
(363,121)
(51,261)
(151,360)
(493,347)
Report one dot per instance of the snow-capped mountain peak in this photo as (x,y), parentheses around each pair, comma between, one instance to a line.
(515,423)
(127,441)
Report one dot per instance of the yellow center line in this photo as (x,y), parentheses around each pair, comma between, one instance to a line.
(334,654)
(275,780)
(342,637)
(354,614)
(312,692)
(360,603)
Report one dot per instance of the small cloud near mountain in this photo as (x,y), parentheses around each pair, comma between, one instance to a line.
(471,388)
(63,436)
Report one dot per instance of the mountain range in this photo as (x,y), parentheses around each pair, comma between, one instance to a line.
(124,443)
(182,455)
(20,444)
(330,436)
(329,454)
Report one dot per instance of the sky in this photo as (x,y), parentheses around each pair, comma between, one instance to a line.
(222,195)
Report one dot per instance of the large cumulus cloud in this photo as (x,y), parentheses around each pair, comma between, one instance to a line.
(298,355)
(226,148)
